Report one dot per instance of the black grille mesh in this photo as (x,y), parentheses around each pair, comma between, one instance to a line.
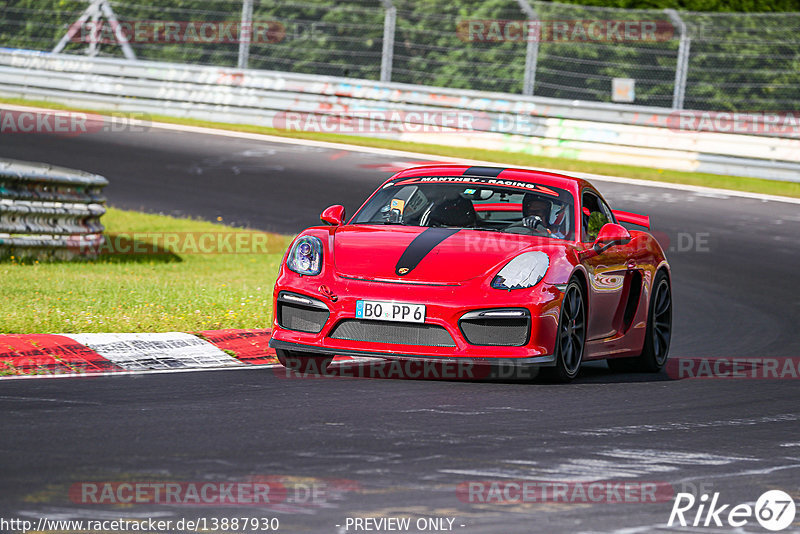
(301,318)
(495,332)
(397,333)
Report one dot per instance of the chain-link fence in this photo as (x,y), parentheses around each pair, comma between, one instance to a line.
(658,58)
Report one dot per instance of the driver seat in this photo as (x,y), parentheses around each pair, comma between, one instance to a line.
(458,212)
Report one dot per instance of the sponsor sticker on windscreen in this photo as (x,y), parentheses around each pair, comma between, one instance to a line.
(390,311)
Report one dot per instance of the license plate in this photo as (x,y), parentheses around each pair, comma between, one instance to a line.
(390,311)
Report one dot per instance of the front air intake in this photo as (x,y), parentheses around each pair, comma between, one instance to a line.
(426,335)
(301,313)
(497,328)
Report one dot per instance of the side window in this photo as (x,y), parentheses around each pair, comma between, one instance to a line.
(607,211)
(595,215)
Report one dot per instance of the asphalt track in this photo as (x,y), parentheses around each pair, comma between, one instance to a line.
(401,447)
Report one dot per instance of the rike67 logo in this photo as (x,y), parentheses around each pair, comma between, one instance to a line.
(774,510)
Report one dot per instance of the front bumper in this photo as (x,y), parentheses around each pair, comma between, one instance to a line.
(445,306)
(537,361)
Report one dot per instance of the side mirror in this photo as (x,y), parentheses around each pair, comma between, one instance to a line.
(611,234)
(333,215)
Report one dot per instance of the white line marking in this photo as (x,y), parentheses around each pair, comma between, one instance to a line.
(749,472)
(243,367)
(622,464)
(481,473)
(42,399)
(447,412)
(140,372)
(673,457)
(672,427)
(709,191)
(64,514)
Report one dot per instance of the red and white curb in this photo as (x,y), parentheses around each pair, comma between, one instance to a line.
(51,355)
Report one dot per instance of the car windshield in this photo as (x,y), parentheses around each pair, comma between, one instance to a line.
(526,209)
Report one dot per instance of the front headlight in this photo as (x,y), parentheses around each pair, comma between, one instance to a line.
(526,270)
(306,256)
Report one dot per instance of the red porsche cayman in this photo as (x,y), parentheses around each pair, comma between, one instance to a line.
(479,264)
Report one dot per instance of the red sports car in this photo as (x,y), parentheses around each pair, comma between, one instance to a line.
(479,264)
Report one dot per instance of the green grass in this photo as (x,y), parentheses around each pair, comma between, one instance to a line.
(737,183)
(172,290)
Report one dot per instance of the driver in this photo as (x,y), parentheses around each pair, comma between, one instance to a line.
(536,215)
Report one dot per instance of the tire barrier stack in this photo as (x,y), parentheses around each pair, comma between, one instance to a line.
(49,213)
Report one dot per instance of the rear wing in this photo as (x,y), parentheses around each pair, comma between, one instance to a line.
(633,218)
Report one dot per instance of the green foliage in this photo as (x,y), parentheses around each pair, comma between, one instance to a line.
(596,221)
(738,61)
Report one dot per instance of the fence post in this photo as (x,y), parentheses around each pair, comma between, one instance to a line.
(245,33)
(74,28)
(94,43)
(118,32)
(94,11)
(389,22)
(682,65)
(531,49)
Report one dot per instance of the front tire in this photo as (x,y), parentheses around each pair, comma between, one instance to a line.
(303,362)
(571,335)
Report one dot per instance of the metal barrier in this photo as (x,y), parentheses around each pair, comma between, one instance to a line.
(670,58)
(49,212)
(591,131)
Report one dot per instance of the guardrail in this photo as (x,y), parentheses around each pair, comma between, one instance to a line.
(49,212)
(633,135)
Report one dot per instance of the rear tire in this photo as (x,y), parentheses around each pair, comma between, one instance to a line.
(571,338)
(659,331)
(303,362)
(659,326)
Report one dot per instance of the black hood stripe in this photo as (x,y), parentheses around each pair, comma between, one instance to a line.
(420,247)
(489,172)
